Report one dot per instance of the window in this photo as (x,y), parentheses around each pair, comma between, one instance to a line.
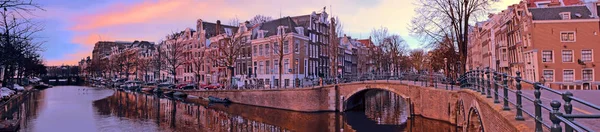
(296,65)
(568,75)
(267,52)
(275,48)
(567,55)
(588,74)
(504,54)
(260,50)
(565,15)
(549,75)
(286,66)
(286,48)
(547,56)
(267,67)
(567,36)
(296,45)
(276,66)
(260,68)
(254,51)
(586,55)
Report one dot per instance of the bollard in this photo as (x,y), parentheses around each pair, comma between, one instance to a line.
(538,106)
(519,99)
(477,80)
(505,87)
(496,80)
(482,81)
(555,127)
(568,108)
(489,83)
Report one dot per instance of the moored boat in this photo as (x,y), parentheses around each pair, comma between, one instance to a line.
(218,100)
(180,94)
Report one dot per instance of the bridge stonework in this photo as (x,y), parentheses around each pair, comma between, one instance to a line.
(464,108)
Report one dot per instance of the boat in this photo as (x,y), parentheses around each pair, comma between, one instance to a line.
(218,100)
(157,90)
(147,89)
(10,125)
(169,93)
(179,94)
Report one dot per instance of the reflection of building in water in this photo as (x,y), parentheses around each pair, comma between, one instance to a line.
(178,115)
(385,107)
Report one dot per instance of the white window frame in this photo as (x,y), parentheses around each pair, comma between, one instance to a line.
(592,55)
(552,55)
(553,74)
(563,14)
(563,75)
(593,77)
(574,36)
(562,54)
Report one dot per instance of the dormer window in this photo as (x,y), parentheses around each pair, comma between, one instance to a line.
(261,33)
(228,31)
(300,30)
(280,30)
(565,15)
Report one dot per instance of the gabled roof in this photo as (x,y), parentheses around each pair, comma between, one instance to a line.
(552,13)
(271,26)
(366,42)
(211,31)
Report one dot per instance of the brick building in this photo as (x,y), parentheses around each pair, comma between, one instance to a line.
(551,44)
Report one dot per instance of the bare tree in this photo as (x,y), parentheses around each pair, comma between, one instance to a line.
(395,47)
(449,18)
(229,49)
(174,56)
(144,64)
(259,19)
(130,63)
(281,48)
(417,57)
(19,53)
(198,63)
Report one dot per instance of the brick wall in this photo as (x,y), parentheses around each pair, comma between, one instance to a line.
(430,103)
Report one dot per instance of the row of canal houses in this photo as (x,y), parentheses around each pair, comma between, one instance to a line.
(307,43)
(547,41)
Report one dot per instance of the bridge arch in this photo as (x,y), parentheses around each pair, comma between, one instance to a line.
(355,99)
(474,122)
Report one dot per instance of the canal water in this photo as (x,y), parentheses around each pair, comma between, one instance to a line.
(85,109)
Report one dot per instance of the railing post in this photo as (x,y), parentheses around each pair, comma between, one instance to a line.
(519,99)
(482,81)
(555,127)
(496,80)
(477,80)
(434,82)
(489,83)
(568,108)
(471,80)
(538,106)
(505,89)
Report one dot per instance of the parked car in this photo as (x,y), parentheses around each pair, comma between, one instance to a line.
(179,86)
(6,93)
(166,85)
(204,85)
(189,86)
(214,86)
(18,87)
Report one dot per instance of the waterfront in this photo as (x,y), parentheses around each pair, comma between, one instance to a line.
(75,108)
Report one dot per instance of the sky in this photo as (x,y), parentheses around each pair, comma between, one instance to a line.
(72,27)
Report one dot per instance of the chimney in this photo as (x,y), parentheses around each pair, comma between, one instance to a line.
(593,7)
(218,27)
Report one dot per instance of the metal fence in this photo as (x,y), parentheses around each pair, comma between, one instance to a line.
(488,82)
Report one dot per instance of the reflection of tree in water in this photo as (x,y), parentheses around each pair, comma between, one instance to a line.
(385,107)
(176,115)
(22,108)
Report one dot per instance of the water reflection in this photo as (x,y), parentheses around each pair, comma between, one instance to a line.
(94,109)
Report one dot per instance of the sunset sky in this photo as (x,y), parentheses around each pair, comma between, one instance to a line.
(71,27)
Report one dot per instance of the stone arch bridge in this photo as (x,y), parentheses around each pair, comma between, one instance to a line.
(464,108)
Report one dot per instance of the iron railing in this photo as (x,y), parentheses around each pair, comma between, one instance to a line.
(488,82)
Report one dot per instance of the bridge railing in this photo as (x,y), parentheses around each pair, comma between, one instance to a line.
(494,84)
